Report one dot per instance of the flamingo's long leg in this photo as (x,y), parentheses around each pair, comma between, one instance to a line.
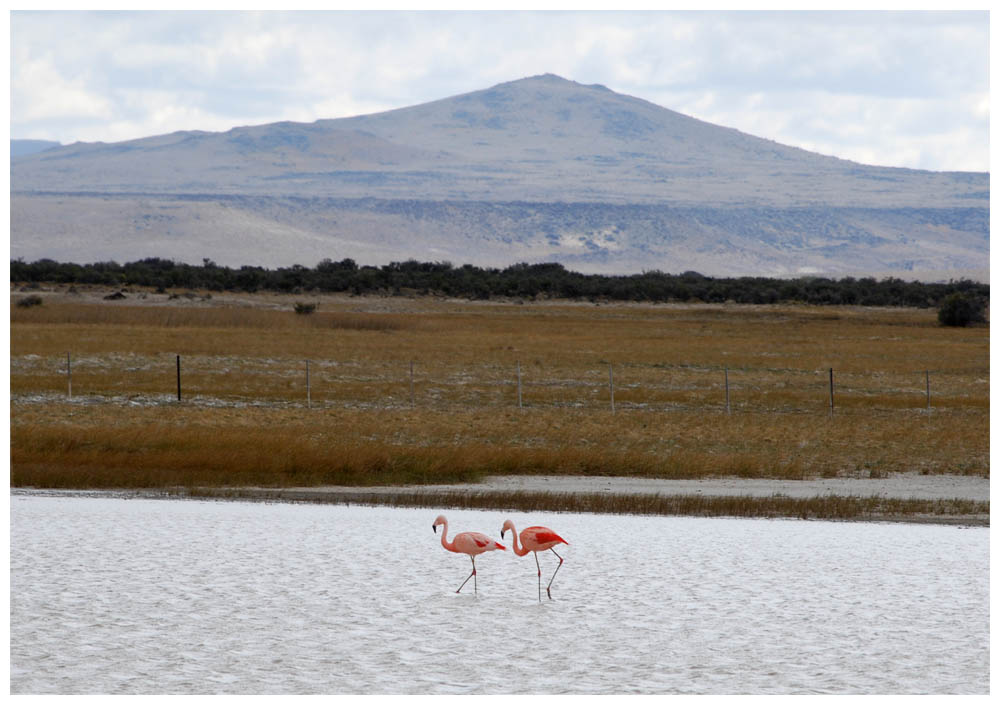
(548,588)
(535,554)
(472,574)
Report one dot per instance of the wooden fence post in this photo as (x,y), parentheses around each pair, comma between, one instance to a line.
(519,406)
(611,386)
(69,377)
(831,391)
(178,378)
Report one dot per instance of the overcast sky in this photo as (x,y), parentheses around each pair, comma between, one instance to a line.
(897,89)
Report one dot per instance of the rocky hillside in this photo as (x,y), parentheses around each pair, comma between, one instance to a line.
(540,169)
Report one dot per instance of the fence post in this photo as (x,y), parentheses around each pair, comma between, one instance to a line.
(831,391)
(611,386)
(411,382)
(69,377)
(178,378)
(727,392)
(308,388)
(519,406)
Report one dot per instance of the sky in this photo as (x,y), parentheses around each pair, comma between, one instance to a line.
(908,89)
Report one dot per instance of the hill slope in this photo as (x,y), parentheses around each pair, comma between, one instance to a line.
(21,148)
(540,169)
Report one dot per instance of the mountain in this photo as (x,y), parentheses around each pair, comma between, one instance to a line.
(539,169)
(20,148)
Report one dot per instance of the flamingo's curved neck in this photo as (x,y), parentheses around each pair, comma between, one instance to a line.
(518,548)
(444,538)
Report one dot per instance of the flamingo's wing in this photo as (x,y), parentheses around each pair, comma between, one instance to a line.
(542,535)
(473,542)
(488,544)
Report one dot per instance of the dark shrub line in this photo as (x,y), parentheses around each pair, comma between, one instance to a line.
(522,280)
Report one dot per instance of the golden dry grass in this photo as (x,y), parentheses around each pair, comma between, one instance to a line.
(243,420)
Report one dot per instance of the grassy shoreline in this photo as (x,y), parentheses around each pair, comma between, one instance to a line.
(245,420)
(820,508)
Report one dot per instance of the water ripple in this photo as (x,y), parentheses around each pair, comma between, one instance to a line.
(152,596)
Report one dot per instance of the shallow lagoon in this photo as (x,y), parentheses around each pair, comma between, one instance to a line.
(112,595)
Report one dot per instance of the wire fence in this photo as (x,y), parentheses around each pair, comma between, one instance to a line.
(615,387)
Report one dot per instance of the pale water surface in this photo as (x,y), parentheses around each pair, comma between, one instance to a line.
(116,595)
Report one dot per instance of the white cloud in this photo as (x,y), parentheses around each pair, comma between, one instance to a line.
(40,93)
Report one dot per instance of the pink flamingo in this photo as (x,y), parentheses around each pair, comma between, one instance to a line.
(471,543)
(535,539)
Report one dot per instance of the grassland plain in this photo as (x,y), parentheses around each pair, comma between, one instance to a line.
(249,418)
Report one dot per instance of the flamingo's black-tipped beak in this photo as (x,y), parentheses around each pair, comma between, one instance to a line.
(435,527)
(501,533)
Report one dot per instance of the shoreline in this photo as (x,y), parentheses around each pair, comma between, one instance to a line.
(906,498)
(895,486)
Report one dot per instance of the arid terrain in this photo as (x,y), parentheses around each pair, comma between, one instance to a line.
(540,169)
(422,395)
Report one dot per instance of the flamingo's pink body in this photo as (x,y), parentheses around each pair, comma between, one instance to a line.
(471,543)
(533,540)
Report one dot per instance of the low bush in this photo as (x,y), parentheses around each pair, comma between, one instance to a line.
(960,310)
(29,301)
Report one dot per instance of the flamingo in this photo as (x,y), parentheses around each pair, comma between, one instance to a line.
(471,543)
(535,539)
